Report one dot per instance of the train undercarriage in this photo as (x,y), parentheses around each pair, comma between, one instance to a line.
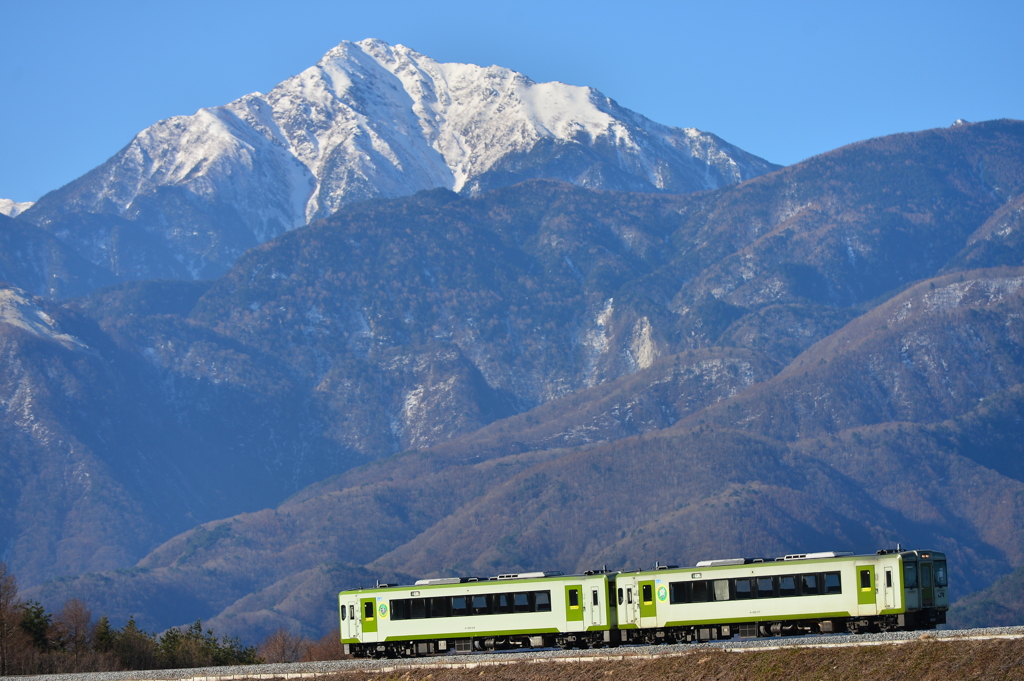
(925,619)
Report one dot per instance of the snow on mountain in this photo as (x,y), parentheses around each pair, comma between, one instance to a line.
(373,120)
(12,208)
(17,309)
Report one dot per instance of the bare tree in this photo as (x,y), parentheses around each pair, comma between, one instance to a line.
(327,648)
(282,646)
(10,613)
(73,629)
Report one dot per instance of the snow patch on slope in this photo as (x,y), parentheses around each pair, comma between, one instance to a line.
(17,310)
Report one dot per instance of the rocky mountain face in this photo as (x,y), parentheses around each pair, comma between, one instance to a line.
(541,376)
(190,194)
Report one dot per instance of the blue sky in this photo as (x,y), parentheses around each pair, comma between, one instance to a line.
(783,80)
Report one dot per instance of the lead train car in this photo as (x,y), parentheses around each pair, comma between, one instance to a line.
(797,594)
(461,615)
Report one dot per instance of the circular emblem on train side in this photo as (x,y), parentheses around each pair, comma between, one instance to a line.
(383,609)
(662,593)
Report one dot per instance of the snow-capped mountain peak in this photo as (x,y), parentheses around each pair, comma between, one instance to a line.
(375,120)
(12,208)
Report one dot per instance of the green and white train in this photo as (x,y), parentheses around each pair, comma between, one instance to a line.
(796,594)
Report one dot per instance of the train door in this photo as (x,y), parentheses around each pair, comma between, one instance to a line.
(889,590)
(349,619)
(927,593)
(648,608)
(574,608)
(595,605)
(628,613)
(867,597)
(368,620)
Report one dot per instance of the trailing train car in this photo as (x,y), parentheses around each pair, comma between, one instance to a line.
(717,599)
(538,609)
(797,594)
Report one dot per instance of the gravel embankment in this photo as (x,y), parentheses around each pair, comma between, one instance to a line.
(475,660)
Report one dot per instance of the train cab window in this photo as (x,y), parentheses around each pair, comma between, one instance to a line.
(743,590)
(910,575)
(787,585)
(521,602)
(808,585)
(594,599)
(620,596)
(721,589)
(926,576)
(460,606)
(833,583)
(629,595)
(700,592)
(543,599)
(678,592)
(351,612)
(368,610)
(888,578)
(440,606)
(940,573)
(481,605)
(343,613)
(765,587)
(647,593)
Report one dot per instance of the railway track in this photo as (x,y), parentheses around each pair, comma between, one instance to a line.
(314,670)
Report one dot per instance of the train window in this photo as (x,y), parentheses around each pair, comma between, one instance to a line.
(400,609)
(700,592)
(503,603)
(594,599)
(460,606)
(865,579)
(481,604)
(888,578)
(620,596)
(743,590)
(543,601)
(910,575)
(440,606)
(787,585)
(721,589)
(343,613)
(574,598)
(521,602)
(648,593)
(833,583)
(368,610)
(765,587)
(418,608)
(629,595)
(678,592)
(926,575)
(940,573)
(808,585)
(351,612)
